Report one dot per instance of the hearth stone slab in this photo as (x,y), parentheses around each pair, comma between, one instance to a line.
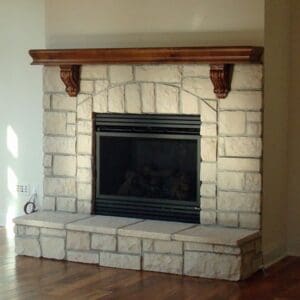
(169,247)
(102,224)
(151,229)
(49,219)
(216,235)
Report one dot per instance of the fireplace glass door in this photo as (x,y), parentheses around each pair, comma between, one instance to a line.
(148,166)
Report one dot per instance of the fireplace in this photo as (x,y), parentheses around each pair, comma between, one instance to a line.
(147,166)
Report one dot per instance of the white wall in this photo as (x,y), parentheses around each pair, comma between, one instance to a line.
(21,28)
(138,23)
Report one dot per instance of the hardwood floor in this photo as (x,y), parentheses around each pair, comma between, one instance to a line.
(31,278)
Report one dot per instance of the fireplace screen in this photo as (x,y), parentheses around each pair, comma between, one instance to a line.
(147,166)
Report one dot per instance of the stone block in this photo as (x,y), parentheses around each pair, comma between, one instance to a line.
(242,100)
(84,175)
(83,257)
(84,191)
(100,103)
(208,217)
(208,129)
(52,81)
(212,265)
(84,207)
(84,109)
(93,71)
(33,231)
(196,70)
(167,99)
(208,111)
(189,103)
(63,102)
(227,250)
(49,203)
(71,118)
(247,77)
(86,86)
(231,181)
(148,98)
(120,73)
(84,144)
(116,99)
(201,87)
(238,164)
(236,201)
(53,232)
(148,245)
(253,129)
(64,165)
(229,219)
(71,129)
(66,204)
(84,126)
(53,247)
(208,172)
(101,85)
(46,102)
(47,161)
(208,203)
(208,190)
(254,116)
(133,98)
(122,261)
(251,221)
(104,242)
(243,146)
(190,246)
(77,240)
(158,73)
(84,161)
(59,186)
(129,244)
(170,247)
(55,123)
(232,122)
(253,182)
(209,149)
(62,145)
(27,246)
(165,263)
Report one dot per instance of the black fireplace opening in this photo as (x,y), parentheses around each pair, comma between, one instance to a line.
(147,166)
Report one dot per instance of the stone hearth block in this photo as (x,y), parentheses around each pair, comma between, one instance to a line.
(212,265)
(53,247)
(154,229)
(128,244)
(123,261)
(27,246)
(86,257)
(163,263)
(56,220)
(216,235)
(77,240)
(104,242)
(102,224)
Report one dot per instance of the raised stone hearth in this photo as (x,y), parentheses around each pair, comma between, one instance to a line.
(170,247)
(179,81)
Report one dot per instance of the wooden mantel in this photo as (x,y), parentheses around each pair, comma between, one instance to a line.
(221,60)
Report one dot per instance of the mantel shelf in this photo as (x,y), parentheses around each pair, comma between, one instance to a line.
(221,60)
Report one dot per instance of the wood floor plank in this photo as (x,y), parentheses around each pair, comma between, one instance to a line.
(23,278)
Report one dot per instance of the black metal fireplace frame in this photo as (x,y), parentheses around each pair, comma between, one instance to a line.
(184,127)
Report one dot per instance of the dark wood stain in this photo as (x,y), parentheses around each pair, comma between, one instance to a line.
(32,278)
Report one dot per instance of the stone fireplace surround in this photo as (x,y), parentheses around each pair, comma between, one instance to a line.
(226,245)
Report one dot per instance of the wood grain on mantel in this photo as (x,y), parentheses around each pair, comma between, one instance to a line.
(221,60)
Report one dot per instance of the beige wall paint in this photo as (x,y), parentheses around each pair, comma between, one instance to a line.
(137,23)
(21,28)
(294,138)
(277,18)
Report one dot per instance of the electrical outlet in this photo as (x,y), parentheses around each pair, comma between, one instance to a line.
(23,189)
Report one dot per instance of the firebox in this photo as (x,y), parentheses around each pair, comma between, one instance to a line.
(147,166)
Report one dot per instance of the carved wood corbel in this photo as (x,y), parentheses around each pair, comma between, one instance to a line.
(70,75)
(220,75)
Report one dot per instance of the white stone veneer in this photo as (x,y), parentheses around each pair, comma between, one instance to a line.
(231,146)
